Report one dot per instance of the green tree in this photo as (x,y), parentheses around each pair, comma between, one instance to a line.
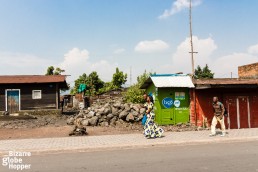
(198,72)
(92,81)
(81,80)
(142,78)
(58,71)
(203,73)
(52,71)
(134,94)
(119,78)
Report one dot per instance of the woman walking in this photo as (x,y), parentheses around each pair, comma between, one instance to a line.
(151,130)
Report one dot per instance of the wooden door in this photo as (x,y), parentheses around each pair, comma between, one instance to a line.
(13,101)
(243,112)
(231,105)
(254,111)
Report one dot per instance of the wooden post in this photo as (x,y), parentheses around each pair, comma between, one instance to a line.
(57,96)
(191,37)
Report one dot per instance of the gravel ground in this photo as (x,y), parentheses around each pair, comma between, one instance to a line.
(55,126)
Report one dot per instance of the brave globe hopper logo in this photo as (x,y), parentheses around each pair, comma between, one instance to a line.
(167,102)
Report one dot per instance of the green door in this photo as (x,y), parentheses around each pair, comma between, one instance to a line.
(167,116)
(171,105)
(166,101)
(182,104)
(182,115)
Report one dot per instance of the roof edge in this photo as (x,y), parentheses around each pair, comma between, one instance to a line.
(161,75)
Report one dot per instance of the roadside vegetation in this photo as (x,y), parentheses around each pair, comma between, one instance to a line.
(132,94)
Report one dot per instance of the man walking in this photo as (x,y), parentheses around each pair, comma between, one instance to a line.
(219,110)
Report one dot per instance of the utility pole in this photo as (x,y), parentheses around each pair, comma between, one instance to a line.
(192,57)
(191,36)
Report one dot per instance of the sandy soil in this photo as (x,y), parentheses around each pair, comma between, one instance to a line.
(62,131)
(53,126)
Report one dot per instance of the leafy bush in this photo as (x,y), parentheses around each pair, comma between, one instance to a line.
(107,87)
(94,85)
(134,94)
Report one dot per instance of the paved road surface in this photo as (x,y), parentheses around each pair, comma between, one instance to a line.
(122,141)
(235,157)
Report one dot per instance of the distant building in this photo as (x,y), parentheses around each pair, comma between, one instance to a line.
(248,71)
(30,92)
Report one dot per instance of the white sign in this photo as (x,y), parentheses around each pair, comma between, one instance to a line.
(177,103)
(180,95)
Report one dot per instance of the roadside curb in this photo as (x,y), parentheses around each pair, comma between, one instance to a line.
(117,142)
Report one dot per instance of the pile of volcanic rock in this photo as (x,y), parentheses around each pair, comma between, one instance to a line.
(109,114)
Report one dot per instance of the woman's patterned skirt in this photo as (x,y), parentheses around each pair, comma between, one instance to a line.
(151,130)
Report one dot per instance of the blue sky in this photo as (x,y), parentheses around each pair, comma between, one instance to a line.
(85,35)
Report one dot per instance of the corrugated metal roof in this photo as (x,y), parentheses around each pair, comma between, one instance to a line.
(226,81)
(18,79)
(169,80)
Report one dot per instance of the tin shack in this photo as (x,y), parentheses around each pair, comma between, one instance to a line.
(171,97)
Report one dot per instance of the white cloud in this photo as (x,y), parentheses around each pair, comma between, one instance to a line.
(253,49)
(178,6)
(119,51)
(182,58)
(223,66)
(75,57)
(76,62)
(23,64)
(151,46)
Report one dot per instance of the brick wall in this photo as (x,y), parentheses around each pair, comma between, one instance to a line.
(248,71)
